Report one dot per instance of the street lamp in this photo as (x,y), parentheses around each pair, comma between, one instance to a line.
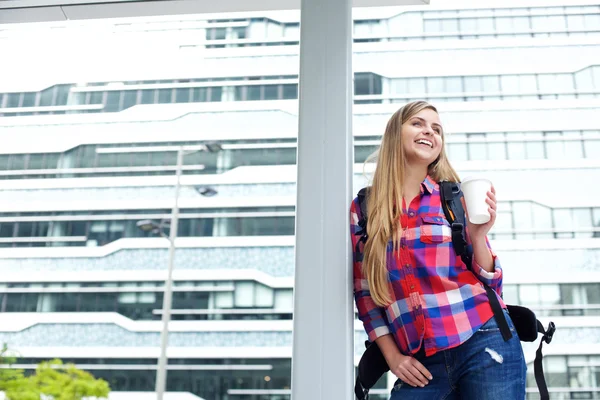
(206,191)
(147,225)
(150,226)
(161,373)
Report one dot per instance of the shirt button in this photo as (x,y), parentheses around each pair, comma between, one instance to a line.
(411,214)
(406,265)
(412,286)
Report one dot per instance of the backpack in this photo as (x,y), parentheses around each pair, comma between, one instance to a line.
(372,364)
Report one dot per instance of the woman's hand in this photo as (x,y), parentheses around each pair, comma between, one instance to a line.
(409,370)
(478,232)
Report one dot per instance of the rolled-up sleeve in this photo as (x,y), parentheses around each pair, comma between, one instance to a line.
(372,316)
(492,279)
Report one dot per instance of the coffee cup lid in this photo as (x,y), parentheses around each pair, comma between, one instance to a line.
(472,178)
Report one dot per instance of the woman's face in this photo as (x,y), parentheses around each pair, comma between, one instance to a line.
(422,137)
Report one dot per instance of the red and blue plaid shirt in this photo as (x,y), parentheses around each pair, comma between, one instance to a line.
(436,300)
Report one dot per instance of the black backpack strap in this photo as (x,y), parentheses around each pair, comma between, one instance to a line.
(538,369)
(450,195)
(362,221)
(361,392)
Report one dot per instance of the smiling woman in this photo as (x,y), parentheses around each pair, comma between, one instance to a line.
(417,299)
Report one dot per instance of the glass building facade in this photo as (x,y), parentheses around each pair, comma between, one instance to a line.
(518,89)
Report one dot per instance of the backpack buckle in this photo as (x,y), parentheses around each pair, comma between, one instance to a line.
(458,240)
(457,227)
(549,333)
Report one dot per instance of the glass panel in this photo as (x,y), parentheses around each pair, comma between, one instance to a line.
(47,97)
(473,84)
(457,151)
(454,85)
(182,95)
(264,296)
(435,85)
(362,84)
(477,147)
(199,94)
(271,92)
(216,94)
(244,294)
(563,222)
(29,99)
(496,146)
(522,215)
(511,294)
(555,369)
(164,96)
(542,221)
(290,91)
(491,83)
(534,146)
(284,299)
(550,294)
(529,295)
(223,300)
(253,93)
(510,84)
(148,96)
(417,85)
(582,218)
(468,25)
(554,148)
(113,99)
(97,98)
(129,99)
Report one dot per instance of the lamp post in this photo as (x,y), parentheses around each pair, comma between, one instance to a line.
(149,226)
(161,373)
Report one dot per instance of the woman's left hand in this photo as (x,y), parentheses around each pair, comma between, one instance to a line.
(480,231)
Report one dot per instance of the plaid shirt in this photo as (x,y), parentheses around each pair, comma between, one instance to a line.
(436,300)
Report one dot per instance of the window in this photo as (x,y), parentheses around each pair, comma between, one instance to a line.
(491,83)
(129,99)
(182,95)
(477,147)
(367,83)
(164,95)
(113,100)
(148,96)
(290,91)
(496,146)
(468,25)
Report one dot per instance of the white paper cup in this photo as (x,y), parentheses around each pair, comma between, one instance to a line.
(475,191)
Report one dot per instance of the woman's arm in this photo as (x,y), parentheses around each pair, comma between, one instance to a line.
(486,265)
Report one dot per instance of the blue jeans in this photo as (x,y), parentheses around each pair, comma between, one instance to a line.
(485,367)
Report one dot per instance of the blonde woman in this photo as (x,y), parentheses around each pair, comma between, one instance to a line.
(427,312)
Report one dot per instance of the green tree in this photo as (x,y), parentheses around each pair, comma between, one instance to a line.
(53,379)
(9,377)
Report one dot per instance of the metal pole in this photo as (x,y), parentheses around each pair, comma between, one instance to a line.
(161,373)
(323,335)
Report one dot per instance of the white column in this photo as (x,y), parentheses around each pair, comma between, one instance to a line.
(322,363)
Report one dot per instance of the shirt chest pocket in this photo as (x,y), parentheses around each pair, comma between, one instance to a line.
(434,229)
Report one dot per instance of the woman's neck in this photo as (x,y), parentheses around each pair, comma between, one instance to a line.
(413,177)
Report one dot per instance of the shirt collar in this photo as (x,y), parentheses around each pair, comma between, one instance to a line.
(428,185)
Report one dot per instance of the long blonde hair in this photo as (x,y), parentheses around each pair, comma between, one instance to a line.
(385,198)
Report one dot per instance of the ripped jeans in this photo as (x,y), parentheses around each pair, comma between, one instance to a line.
(485,367)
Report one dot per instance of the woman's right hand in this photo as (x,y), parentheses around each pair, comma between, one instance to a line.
(409,370)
